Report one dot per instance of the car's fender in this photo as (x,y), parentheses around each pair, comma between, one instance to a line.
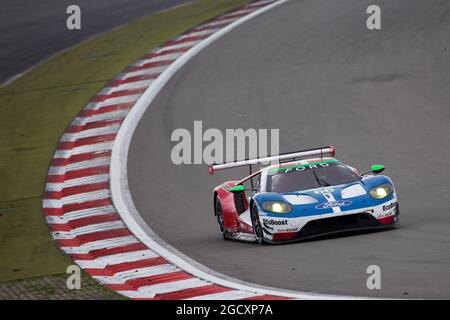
(372,181)
(226,199)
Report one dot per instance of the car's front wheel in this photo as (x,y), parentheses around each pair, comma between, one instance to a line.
(256,223)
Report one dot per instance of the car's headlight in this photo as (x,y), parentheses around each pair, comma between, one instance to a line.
(381,191)
(277,206)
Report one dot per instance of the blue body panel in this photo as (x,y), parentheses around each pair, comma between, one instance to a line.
(322,206)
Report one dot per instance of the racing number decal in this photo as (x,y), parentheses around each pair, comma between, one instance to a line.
(324,190)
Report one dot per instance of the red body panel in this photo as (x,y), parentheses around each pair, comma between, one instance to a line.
(232,221)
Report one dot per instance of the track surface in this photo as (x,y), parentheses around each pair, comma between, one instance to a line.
(31,31)
(312,69)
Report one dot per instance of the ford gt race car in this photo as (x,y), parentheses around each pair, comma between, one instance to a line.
(304,194)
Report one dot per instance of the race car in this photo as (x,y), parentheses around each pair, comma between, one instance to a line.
(300,195)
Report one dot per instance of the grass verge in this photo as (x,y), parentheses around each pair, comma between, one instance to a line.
(35,110)
(54,287)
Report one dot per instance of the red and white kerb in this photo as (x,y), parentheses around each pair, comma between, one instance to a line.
(77,201)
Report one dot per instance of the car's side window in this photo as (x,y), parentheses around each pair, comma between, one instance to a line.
(258,182)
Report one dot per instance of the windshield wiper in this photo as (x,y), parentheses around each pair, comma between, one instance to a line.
(321,183)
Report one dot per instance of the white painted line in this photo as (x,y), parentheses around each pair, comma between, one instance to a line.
(217,25)
(228,295)
(72,234)
(128,86)
(181,45)
(143,72)
(164,57)
(103,262)
(102,146)
(112,101)
(195,33)
(56,187)
(111,115)
(152,291)
(101,244)
(71,137)
(124,276)
(96,162)
(86,196)
(80,214)
(76,199)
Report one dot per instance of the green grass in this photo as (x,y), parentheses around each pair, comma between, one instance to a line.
(35,110)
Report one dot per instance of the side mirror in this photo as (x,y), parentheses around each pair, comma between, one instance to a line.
(376,168)
(237,189)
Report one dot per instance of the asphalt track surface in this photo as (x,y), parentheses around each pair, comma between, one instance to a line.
(313,69)
(31,31)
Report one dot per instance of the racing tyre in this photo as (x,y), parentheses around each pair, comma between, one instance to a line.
(397,215)
(220,219)
(256,224)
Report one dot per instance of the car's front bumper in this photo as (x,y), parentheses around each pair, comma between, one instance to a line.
(366,219)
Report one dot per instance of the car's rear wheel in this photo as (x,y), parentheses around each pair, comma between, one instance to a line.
(220,219)
(256,223)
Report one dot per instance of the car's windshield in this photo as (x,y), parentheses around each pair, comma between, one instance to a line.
(305,177)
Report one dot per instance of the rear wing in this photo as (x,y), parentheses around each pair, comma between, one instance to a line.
(284,157)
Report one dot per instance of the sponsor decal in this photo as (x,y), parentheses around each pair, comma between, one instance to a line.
(273,222)
(384,215)
(303,167)
(333,204)
(226,187)
(388,207)
(308,166)
(287,230)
